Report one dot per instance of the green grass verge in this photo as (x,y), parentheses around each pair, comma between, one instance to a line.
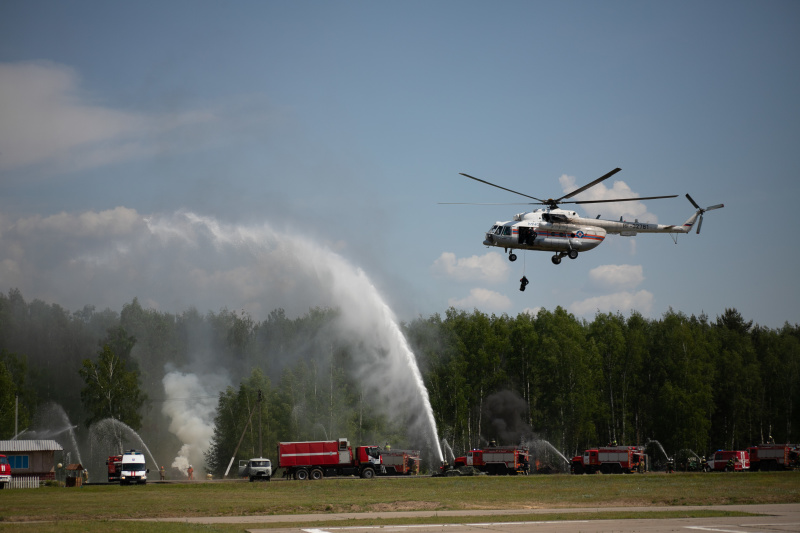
(112,502)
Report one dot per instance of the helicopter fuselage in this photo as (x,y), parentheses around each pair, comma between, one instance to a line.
(564,232)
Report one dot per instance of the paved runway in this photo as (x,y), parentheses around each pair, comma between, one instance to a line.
(776,518)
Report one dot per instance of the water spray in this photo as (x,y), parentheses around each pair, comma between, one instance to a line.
(292,268)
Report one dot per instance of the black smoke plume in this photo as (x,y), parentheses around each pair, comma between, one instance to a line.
(506,414)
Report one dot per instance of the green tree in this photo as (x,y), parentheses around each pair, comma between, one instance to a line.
(111,390)
(524,373)
(237,423)
(13,371)
(681,383)
(572,373)
(608,333)
(738,383)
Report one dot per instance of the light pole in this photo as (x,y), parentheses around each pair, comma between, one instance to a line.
(260,447)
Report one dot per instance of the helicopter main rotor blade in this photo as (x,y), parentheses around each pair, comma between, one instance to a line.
(699,224)
(499,187)
(619,200)
(592,184)
(484,203)
(715,207)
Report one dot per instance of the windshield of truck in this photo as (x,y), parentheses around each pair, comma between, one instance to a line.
(3,460)
(256,464)
(132,466)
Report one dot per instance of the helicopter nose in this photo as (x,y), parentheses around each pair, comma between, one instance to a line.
(489,240)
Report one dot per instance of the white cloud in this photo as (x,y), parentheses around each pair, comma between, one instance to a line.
(482,299)
(532,311)
(491,267)
(624,301)
(616,277)
(48,119)
(629,210)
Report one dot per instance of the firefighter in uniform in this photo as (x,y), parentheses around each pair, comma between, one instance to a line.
(162,473)
(191,472)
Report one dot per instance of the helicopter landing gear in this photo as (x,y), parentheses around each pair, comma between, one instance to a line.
(556,259)
(512,257)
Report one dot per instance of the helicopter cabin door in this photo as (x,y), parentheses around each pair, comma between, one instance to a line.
(526,235)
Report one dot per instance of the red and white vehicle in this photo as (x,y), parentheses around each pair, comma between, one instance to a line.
(316,459)
(114,464)
(400,462)
(497,460)
(766,457)
(610,460)
(729,461)
(5,472)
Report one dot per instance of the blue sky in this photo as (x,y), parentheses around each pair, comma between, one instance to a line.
(342,124)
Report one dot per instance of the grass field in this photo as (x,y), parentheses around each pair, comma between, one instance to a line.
(97,508)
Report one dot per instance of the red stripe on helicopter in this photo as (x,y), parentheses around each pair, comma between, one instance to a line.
(570,235)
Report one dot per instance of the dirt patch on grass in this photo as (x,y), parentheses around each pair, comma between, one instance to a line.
(405,506)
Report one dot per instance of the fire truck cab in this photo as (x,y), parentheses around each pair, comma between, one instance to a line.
(5,472)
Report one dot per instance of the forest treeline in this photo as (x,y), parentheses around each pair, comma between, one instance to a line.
(686,381)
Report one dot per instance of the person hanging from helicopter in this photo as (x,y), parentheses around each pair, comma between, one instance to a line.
(523,282)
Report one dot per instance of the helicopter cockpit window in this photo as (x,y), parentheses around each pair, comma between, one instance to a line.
(498,230)
(507,230)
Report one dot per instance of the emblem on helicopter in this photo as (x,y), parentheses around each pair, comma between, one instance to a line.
(564,232)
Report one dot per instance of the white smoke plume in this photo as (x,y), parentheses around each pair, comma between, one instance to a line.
(191,403)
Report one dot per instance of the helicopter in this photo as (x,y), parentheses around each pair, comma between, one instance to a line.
(566,233)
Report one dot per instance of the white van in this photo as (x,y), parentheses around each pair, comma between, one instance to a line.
(133,468)
(256,468)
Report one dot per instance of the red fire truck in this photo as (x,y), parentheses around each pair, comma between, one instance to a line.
(610,460)
(5,472)
(114,464)
(497,460)
(766,457)
(400,462)
(316,459)
(729,461)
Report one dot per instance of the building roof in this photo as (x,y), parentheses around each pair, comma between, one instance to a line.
(15,446)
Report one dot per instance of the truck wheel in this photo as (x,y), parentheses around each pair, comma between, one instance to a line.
(368,473)
(252,479)
(301,474)
(269,477)
(316,474)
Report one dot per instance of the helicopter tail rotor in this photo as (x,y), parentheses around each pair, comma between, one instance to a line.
(702,211)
